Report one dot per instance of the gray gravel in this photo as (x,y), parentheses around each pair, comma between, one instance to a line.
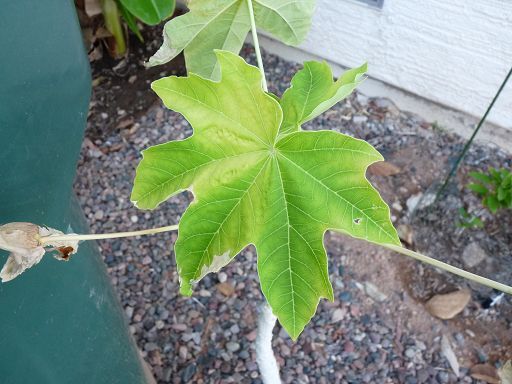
(208,338)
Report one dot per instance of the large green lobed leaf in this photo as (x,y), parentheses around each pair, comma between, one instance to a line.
(224,24)
(254,183)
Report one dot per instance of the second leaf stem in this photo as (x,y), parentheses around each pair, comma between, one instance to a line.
(257,46)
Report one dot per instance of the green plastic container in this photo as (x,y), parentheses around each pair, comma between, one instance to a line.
(59,322)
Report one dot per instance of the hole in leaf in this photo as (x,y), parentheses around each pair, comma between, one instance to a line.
(357,221)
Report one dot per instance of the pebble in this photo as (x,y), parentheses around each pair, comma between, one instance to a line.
(129,312)
(233,346)
(410,353)
(149,347)
(449,305)
(338,315)
(146,260)
(345,296)
(188,373)
(222,277)
(183,352)
(473,255)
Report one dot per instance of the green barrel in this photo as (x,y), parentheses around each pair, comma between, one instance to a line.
(60,322)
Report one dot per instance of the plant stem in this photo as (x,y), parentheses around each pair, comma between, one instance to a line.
(257,45)
(470,141)
(264,355)
(73,237)
(266,321)
(450,268)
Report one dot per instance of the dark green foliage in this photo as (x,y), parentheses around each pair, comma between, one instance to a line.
(494,187)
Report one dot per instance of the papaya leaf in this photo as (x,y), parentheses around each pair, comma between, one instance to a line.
(224,24)
(252,186)
(313,92)
(151,12)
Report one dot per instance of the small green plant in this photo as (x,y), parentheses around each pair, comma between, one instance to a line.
(466,220)
(494,187)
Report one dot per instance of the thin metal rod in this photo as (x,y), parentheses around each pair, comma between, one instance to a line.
(470,141)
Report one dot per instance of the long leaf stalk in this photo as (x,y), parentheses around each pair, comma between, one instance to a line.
(404,251)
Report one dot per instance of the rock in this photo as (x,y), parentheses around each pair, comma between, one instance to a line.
(447,352)
(405,233)
(222,277)
(443,377)
(338,315)
(251,336)
(397,206)
(447,306)
(188,373)
(349,347)
(232,346)
(412,202)
(384,168)
(183,352)
(149,347)
(473,255)
(372,291)
(485,372)
(459,337)
(129,312)
(179,327)
(226,289)
(146,260)
(410,353)
(421,345)
(345,296)
(285,350)
(359,119)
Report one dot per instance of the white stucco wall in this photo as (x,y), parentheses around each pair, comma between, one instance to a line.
(454,52)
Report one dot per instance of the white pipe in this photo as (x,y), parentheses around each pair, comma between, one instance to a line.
(264,354)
